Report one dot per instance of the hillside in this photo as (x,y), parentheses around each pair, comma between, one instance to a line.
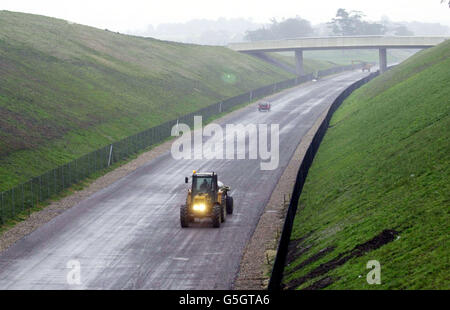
(67,89)
(379,186)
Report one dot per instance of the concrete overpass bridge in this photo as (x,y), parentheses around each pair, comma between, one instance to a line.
(382,43)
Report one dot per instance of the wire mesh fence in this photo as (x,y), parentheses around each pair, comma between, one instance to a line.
(25,196)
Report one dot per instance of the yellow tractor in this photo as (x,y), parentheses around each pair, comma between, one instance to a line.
(207,198)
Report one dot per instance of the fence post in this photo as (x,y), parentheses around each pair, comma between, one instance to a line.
(23,198)
(40,188)
(54,180)
(12,201)
(86,165)
(29,209)
(110,153)
(32,196)
(69,175)
(2,214)
(76,171)
(90,162)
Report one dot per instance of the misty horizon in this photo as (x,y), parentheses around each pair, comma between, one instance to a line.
(222,22)
(223,31)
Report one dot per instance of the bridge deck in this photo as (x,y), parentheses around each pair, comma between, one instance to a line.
(360,42)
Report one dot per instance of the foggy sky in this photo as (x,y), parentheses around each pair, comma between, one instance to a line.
(132,14)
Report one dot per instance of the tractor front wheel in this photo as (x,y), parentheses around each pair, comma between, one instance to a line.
(216,216)
(184,216)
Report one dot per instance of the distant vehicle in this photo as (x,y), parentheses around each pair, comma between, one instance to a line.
(207,198)
(366,66)
(264,106)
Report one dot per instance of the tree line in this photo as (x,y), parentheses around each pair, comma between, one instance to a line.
(345,23)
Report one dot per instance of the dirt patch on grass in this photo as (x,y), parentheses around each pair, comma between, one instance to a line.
(313,258)
(386,236)
(296,249)
(322,283)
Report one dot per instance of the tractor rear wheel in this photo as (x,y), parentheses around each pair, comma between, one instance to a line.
(184,216)
(216,216)
(229,203)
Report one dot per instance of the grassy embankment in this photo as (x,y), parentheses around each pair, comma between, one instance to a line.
(379,187)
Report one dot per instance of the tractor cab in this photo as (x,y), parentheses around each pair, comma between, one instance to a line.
(205,183)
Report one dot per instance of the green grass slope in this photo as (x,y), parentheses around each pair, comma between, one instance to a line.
(379,187)
(67,89)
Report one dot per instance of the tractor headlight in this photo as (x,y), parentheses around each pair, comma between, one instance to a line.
(200,207)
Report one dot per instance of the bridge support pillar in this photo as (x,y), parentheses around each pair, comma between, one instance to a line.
(383,59)
(299,62)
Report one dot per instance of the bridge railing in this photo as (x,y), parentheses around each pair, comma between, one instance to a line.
(23,198)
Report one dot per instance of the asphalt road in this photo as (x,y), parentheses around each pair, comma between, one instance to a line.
(128,235)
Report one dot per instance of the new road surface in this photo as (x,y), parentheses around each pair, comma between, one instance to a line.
(128,235)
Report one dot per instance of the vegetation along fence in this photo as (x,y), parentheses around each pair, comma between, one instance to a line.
(27,195)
